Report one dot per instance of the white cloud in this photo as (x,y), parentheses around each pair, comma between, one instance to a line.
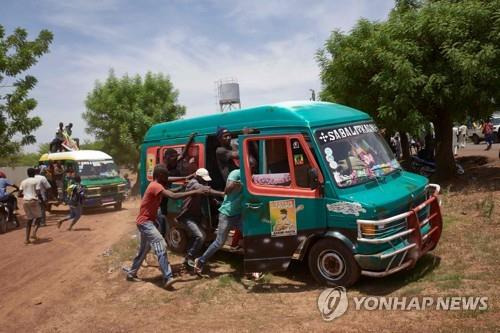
(275,68)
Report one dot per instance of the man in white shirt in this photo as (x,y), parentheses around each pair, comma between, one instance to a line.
(463,135)
(29,190)
(44,187)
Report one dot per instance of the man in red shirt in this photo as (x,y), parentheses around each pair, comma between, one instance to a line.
(150,236)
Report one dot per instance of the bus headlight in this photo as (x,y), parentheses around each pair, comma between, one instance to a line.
(93,191)
(121,188)
(368,229)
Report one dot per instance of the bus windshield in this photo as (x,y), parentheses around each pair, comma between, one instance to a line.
(97,169)
(356,154)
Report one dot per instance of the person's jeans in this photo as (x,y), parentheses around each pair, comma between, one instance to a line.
(162,222)
(226,223)
(151,238)
(75,212)
(197,237)
(489,140)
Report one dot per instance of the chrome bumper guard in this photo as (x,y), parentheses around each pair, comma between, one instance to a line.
(399,228)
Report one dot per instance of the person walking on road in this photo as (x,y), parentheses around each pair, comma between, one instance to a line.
(44,187)
(29,190)
(488,133)
(76,194)
(150,236)
(463,135)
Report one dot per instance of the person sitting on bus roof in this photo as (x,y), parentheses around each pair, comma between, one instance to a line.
(69,129)
(56,144)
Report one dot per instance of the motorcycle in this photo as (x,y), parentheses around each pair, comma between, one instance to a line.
(7,215)
(427,168)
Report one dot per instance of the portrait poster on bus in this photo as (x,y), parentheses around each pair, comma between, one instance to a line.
(283,218)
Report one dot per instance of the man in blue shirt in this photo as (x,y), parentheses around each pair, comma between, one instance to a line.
(7,197)
(229,217)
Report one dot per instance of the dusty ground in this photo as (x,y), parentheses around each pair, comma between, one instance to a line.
(72,281)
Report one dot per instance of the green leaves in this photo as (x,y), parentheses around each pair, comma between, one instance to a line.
(431,61)
(17,55)
(121,110)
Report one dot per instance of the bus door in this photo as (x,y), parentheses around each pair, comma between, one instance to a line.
(282,201)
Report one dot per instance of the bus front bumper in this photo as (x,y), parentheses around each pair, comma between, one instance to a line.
(416,234)
(103,201)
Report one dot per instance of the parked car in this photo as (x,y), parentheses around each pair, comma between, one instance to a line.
(475,132)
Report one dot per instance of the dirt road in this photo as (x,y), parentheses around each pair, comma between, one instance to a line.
(38,282)
(72,281)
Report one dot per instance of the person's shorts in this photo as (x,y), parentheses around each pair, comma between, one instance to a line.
(32,209)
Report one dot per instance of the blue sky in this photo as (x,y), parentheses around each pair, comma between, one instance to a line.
(268,46)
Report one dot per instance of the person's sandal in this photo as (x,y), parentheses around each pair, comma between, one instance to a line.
(133,278)
(170,282)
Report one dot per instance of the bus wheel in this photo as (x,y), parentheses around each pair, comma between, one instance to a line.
(118,205)
(333,264)
(176,239)
(475,139)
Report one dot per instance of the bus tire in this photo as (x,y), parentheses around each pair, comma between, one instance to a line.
(118,205)
(475,139)
(176,239)
(331,263)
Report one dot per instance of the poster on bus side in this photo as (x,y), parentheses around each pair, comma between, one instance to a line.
(283,218)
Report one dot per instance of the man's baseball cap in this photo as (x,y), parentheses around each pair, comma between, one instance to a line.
(203,173)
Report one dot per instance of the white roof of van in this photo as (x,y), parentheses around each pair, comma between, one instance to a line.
(79,155)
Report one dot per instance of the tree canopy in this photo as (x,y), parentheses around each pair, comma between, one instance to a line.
(17,55)
(431,61)
(121,110)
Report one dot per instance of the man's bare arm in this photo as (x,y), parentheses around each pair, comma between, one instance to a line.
(232,186)
(186,147)
(235,154)
(213,192)
(171,195)
(175,179)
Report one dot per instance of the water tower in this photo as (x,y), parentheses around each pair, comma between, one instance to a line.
(228,94)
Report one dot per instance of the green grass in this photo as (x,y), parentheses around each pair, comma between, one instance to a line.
(486,207)
(226,280)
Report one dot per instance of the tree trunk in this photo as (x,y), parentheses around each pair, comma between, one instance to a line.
(445,161)
(135,188)
(405,145)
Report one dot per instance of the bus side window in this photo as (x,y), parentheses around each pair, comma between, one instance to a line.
(189,164)
(273,168)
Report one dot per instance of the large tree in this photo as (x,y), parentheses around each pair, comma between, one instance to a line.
(431,61)
(17,55)
(121,110)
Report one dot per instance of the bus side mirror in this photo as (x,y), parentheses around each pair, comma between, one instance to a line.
(313,178)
